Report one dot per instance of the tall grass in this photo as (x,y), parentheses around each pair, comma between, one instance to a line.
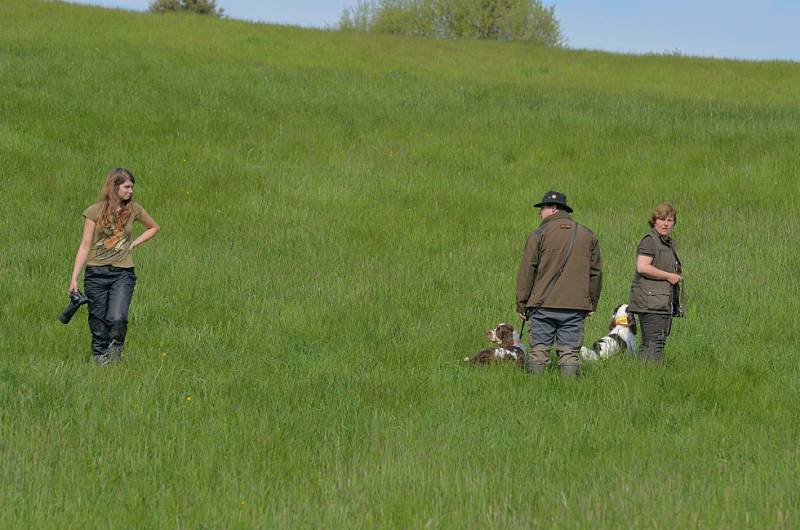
(342,216)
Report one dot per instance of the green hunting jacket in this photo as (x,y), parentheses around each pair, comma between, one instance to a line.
(655,296)
(579,285)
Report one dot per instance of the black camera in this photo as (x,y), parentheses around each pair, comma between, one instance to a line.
(677,301)
(76,300)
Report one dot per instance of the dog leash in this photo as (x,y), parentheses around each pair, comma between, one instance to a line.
(524,351)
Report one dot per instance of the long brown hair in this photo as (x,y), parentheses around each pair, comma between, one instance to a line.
(111,201)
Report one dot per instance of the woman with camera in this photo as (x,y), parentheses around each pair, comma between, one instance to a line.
(105,249)
(655,291)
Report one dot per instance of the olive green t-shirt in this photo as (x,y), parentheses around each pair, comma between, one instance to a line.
(112,244)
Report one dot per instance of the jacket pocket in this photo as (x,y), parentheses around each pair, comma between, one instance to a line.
(650,298)
(657,301)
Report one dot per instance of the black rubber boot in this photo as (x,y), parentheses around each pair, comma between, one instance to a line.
(114,352)
(101,360)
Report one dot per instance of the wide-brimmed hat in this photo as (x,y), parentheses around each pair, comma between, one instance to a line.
(554,197)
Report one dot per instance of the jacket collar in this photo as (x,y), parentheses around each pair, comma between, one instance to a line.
(664,239)
(561,214)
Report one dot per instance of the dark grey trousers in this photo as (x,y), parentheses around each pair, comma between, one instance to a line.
(655,329)
(109,290)
(562,326)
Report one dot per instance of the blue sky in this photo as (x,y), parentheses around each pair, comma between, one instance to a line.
(737,29)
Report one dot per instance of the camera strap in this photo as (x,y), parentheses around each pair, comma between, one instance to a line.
(678,289)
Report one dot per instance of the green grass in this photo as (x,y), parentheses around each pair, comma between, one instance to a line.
(342,216)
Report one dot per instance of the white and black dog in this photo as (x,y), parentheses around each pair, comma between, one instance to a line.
(621,336)
(509,348)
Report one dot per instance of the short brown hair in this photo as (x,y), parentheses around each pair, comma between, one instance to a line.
(662,211)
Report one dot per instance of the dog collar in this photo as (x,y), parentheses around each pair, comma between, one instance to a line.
(621,321)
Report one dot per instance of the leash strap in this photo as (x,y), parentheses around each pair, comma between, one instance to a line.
(521,329)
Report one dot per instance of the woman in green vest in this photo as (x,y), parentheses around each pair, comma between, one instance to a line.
(655,295)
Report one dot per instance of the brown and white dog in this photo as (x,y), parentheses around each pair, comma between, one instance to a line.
(509,348)
(621,336)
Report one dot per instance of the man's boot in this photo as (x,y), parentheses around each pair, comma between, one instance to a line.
(536,369)
(571,370)
(538,359)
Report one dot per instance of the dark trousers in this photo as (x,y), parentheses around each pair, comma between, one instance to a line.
(109,290)
(562,326)
(655,329)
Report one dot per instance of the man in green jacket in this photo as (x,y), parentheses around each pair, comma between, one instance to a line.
(558,285)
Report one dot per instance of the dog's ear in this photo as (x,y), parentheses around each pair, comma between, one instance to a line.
(505,333)
(494,334)
(632,322)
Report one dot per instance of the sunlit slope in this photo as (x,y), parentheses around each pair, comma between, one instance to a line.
(342,217)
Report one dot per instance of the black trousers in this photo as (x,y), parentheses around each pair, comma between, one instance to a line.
(109,290)
(655,329)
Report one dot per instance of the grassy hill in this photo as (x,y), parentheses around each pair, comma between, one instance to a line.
(342,217)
